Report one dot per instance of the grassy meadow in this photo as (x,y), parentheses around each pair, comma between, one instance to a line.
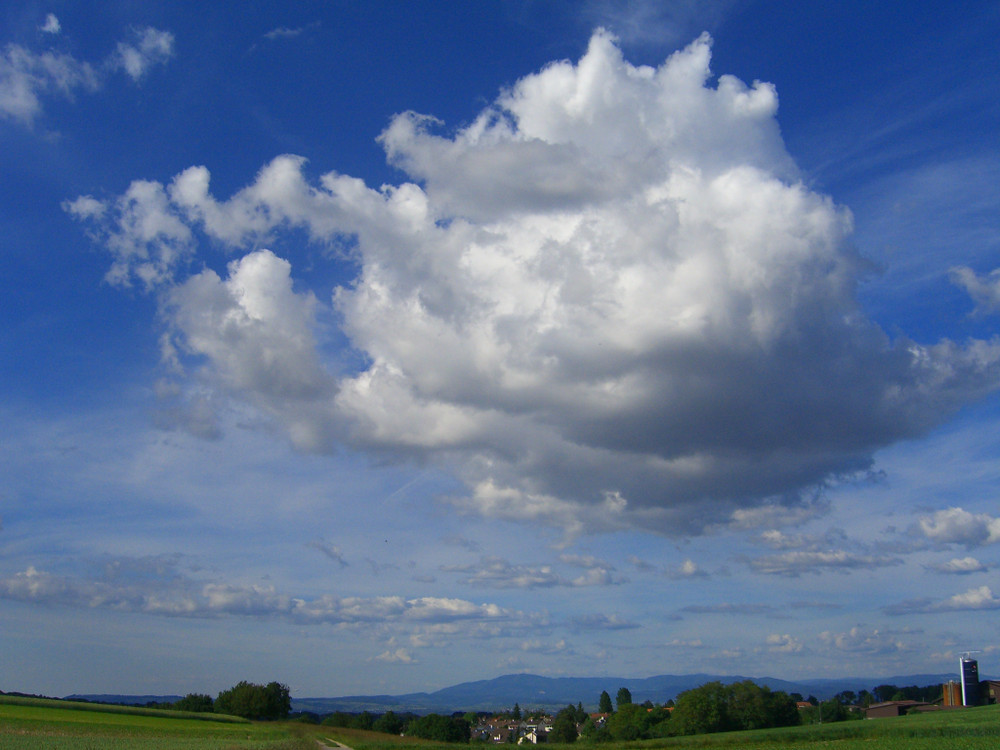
(33,724)
(30,724)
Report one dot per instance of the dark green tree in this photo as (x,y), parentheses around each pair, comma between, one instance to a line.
(715,707)
(604,705)
(278,702)
(253,701)
(630,722)
(194,702)
(884,692)
(847,697)
(564,725)
(782,710)
(624,697)
(701,710)
(516,713)
(747,707)
(440,728)
(659,722)
(388,723)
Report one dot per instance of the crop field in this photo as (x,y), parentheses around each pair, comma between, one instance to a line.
(27,724)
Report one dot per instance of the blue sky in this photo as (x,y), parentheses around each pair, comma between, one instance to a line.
(378,347)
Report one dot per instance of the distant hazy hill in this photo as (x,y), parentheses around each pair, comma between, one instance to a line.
(125,700)
(555,692)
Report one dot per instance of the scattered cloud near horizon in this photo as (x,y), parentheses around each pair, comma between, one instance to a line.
(176,595)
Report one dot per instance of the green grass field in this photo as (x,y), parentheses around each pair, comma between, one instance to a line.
(29,724)
(33,724)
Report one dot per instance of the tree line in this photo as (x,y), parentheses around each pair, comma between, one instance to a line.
(245,699)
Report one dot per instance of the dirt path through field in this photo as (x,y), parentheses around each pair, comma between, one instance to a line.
(327,742)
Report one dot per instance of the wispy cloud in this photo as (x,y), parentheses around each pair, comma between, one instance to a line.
(148,47)
(861,640)
(799,562)
(729,608)
(287,32)
(27,77)
(603,622)
(975,599)
(399,656)
(185,597)
(960,566)
(331,551)
(496,572)
(647,22)
(984,289)
(782,643)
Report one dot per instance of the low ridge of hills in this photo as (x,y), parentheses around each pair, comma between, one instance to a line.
(553,693)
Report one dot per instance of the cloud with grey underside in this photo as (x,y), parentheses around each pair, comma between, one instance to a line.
(610,301)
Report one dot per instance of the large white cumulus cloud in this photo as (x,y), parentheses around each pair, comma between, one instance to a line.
(609,301)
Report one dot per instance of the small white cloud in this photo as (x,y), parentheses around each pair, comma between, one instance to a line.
(960,566)
(51,25)
(536,646)
(783,644)
(286,32)
(148,48)
(984,290)
(689,568)
(26,76)
(85,207)
(776,539)
(860,640)
(959,526)
(399,656)
(681,643)
(727,654)
(981,598)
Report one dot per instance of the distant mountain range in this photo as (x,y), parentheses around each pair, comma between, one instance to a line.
(553,693)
